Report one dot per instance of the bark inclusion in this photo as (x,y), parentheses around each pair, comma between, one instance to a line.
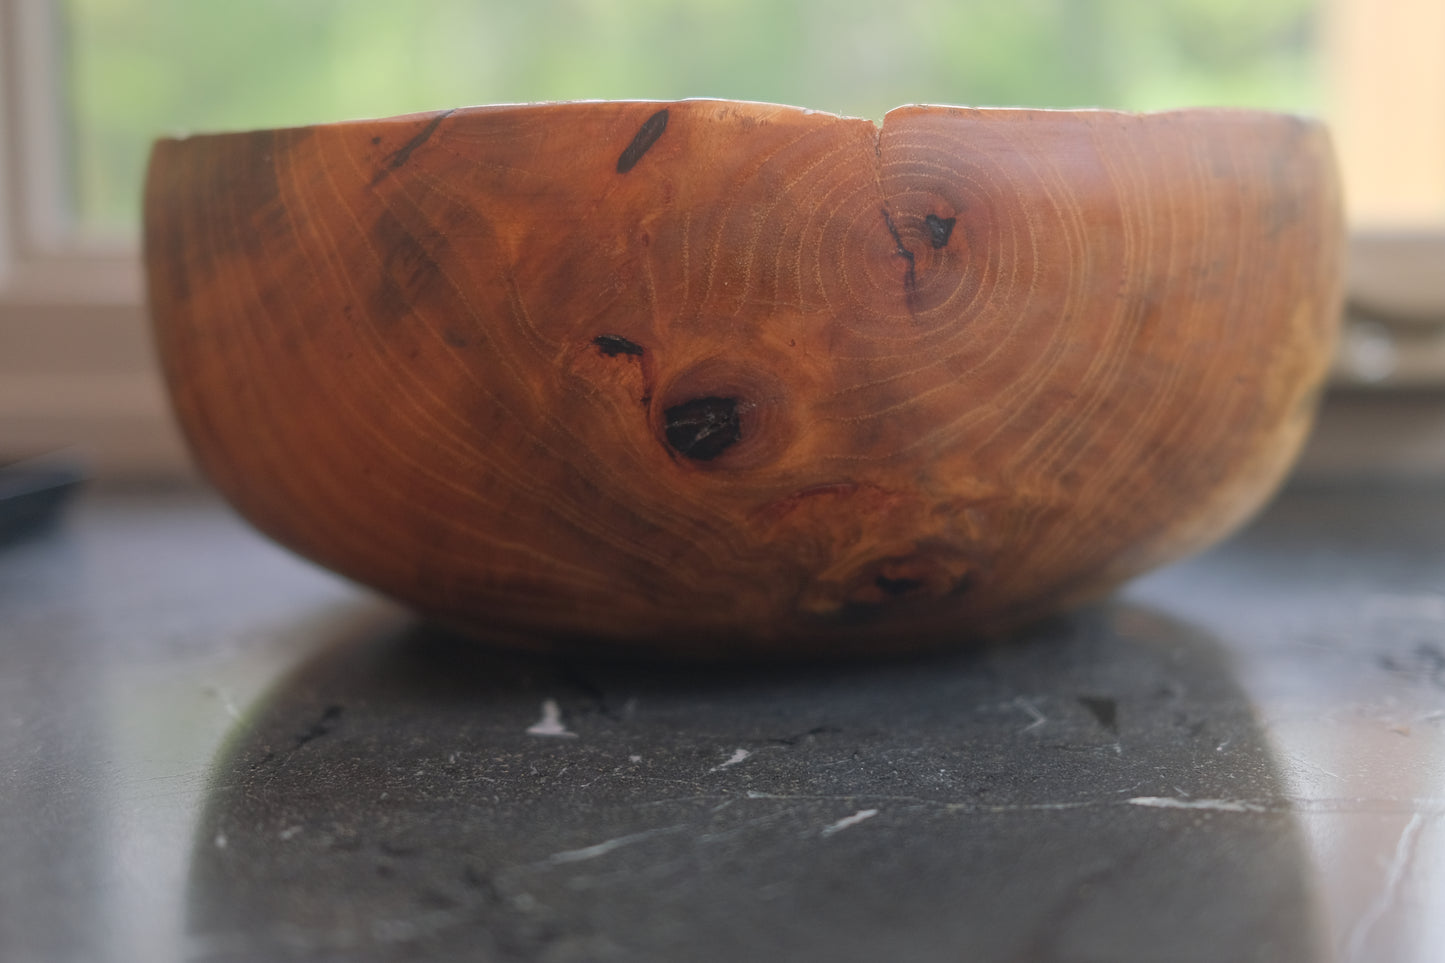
(703,428)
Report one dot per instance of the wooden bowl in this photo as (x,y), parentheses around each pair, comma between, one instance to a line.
(708,377)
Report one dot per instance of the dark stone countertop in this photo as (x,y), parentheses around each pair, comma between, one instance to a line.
(210,750)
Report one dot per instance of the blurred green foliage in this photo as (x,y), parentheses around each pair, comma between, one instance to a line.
(141,68)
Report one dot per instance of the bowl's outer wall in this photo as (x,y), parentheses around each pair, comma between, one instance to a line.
(946,374)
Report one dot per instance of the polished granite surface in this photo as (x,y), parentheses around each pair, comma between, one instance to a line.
(210,750)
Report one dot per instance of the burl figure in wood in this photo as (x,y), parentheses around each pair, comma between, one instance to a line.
(710,378)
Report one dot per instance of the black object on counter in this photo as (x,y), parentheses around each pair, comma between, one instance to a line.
(32,494)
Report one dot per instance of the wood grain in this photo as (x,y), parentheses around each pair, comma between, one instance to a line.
(707,378)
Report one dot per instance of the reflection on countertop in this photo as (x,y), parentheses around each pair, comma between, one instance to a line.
(215,751)
(1097,789)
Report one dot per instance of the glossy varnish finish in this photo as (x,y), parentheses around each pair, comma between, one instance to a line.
(708,376)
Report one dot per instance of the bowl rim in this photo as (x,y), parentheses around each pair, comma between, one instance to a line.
(982,112)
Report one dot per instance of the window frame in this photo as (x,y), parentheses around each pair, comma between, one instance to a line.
(76,368)
(43,256)
(75,360)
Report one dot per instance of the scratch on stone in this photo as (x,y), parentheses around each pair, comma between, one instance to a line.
(847,821)
(738,756)
(1211,805)
(226,702)
(943,804)
(1305,765)
(607,846)
(746,825)
(1390,891)
(551,722)
(599,777)
(1038,717)
(1433,807)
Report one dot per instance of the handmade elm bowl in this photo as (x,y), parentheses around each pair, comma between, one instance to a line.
(714,378)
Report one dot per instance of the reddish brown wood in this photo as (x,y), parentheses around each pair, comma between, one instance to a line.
(710,377)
